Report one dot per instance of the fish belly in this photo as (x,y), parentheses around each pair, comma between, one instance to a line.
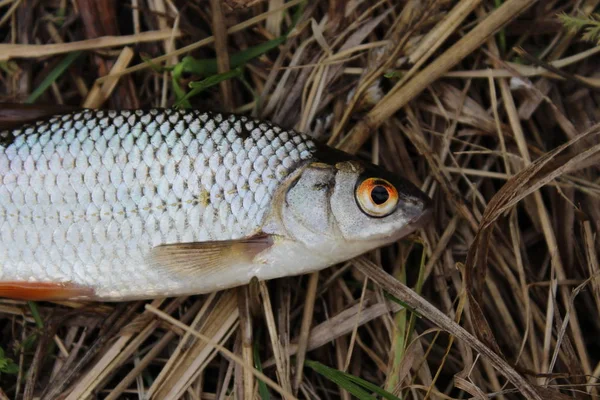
(85,196)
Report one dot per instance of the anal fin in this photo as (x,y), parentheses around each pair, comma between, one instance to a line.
(197,258)
(44,291)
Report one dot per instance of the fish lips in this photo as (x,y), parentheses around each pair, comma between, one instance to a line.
(419,220)
(423,219)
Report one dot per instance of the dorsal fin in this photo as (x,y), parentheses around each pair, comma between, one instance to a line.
(13,115)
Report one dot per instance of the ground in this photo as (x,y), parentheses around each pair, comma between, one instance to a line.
(489,106)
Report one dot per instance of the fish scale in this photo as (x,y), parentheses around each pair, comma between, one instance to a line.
(85,195)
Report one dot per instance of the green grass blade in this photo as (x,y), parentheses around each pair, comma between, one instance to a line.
(200,86)
(372,387)
(403,304)
(263,391)
(179,93)
(501,33)
(7,365)
(155,67)
(251,53)
(404,321)
(30,340)
(399,337)
(418,289)
(10,67)
(35,313)
(53,76)
(297,14)
(339,379)
(208,66)
(352,384)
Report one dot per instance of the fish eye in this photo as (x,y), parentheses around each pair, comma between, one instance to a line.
(376,197)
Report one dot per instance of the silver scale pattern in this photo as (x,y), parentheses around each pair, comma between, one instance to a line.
(84,196)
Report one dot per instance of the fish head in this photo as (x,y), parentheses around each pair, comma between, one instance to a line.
(336,211)
(370,204)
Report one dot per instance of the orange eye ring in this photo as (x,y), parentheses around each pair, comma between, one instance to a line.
(376,197)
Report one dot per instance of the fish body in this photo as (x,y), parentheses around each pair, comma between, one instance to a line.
(120,205)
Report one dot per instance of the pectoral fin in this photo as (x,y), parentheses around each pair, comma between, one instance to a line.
(204,258)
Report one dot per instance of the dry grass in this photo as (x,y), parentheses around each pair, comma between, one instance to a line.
(490,106)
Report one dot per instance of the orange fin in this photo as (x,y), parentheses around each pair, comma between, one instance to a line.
(13,115)
(44,291)
(200,258)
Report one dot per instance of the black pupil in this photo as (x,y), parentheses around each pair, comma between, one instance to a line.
(380,195)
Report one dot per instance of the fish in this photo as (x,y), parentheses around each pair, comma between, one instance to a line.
(118,205)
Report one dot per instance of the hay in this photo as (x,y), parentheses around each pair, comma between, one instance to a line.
(489,106)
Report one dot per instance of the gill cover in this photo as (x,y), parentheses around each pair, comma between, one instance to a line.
(306,212)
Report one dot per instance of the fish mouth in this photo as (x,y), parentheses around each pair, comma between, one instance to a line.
(423,218)
(417,222)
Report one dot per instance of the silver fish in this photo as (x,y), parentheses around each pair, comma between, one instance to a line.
(120,205)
